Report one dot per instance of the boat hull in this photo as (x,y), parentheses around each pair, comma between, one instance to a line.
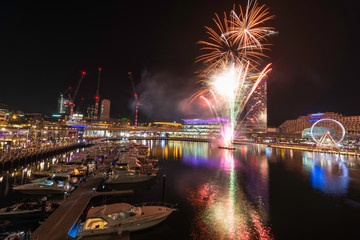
(40,191)
(125,180)
(126,227)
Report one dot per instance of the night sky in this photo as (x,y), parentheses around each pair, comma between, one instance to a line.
(45,45)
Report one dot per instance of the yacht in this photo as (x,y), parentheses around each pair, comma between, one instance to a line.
(46,187)
(124,176)
(108,219)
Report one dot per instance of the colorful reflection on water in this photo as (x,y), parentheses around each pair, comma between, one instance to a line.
(329,172)
(228,191)
(221,207)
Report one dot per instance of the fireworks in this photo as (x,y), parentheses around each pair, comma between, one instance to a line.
(241,36)
(232,52)
(248,32)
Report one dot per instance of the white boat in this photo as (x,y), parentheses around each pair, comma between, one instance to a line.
(46,187)
(113,218)
(118,177)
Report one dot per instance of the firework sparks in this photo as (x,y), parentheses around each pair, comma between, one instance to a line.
(248,30)
(229,62)
(240,36)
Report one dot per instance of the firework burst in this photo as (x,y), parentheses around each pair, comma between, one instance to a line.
(237,36)
(249,32)
(232,52)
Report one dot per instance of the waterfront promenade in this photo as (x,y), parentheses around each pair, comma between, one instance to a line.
(351,152)
(7,159)
(17,156)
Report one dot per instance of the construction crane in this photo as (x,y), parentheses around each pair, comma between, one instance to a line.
(137,100)
(78,107)
(97,97)
(71,102)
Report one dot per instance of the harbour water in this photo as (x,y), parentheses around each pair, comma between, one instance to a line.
(253,192)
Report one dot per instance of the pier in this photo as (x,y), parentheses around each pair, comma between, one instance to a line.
(59,223)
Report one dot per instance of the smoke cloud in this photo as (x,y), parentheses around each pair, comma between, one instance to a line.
(165,97)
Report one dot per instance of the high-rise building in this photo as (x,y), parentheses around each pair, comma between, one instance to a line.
(255,114)
(90,111)
(105,109)
(63,106)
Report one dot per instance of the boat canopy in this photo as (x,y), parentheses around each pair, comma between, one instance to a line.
(109,209)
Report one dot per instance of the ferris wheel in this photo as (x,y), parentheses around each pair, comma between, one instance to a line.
(327,132)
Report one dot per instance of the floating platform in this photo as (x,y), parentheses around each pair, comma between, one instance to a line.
(228,148)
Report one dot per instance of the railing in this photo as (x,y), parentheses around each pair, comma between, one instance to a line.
(13,154)
(163,204)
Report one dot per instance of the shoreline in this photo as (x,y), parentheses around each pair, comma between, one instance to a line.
(302,148)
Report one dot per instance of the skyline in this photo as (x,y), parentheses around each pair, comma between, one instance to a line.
(313,58)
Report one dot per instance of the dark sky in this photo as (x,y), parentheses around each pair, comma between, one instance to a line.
(45,45)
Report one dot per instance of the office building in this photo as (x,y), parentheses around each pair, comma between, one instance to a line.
(256,109)
(63,105)
(105,110)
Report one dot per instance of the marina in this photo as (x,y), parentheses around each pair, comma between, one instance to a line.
(79,190)
(237,184)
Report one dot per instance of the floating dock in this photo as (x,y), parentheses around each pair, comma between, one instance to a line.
(57,226)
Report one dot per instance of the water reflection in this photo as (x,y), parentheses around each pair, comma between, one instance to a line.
(221,206)
(328,173)
(23,175)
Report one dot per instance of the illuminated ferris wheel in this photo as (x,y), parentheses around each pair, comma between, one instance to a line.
(327,132)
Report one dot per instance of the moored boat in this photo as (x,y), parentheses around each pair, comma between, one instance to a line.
(118,177)
(107,219)
(47,187)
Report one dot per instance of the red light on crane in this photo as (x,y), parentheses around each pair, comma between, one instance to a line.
(97,97)
(83,73)
(99,69)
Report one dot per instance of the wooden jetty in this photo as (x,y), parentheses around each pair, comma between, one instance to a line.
(57,226)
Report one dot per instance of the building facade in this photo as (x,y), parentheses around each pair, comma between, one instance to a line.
(256,109)
(62,105)
(350,123)
(202,128)
(105,110)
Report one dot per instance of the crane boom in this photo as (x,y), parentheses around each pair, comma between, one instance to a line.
(132,83)
(136,99)
(72,99)
(97,98)
(77,87)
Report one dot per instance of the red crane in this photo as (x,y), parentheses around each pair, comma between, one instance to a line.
(72,98)
(136,99)
(97,97)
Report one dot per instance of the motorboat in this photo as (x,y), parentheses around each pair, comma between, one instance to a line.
(26,209)
(123,176)
(58,173)
(46,187)
(122,167)
(107,219)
